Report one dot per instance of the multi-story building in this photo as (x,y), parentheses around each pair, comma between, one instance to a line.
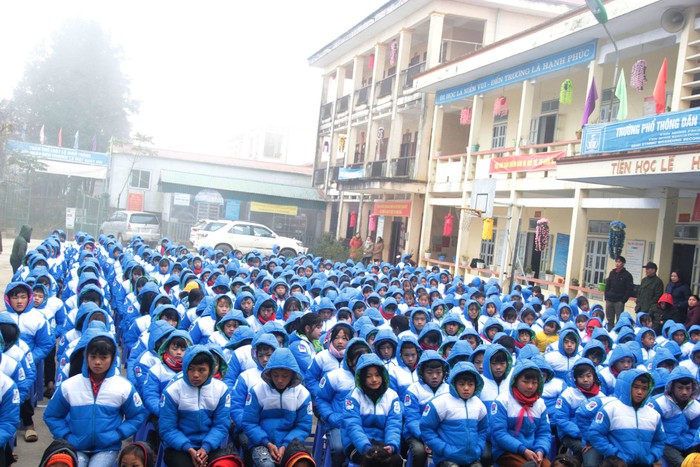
(506,138)
(375,125)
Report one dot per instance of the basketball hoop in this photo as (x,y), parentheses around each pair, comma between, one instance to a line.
(466,216)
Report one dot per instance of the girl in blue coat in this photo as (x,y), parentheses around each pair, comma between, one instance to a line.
(372,413)
(455,425)
(278,410)
(96,410)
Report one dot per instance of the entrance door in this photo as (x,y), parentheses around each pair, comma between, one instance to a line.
(682,260)
(533,256)
(596,261)
(542,130)
(395,247)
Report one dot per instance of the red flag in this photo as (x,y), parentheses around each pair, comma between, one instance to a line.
(60,137)
(660,90)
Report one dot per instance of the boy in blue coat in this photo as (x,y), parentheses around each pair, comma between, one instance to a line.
(194,411)
(455,425)
(278,410)
(565,356)
(520,430)
(9,413)
(680,415)
(96,410)
(372,413)
(497,367)
(628,427)
(432,369)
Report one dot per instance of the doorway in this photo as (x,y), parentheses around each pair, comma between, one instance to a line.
(682,260)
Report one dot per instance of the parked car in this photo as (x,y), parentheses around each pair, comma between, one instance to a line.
(226,235)
(125,224)
(196,228)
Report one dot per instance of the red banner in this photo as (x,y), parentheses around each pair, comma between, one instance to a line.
(526,163)
(696,209)
(135,202)
(392,208)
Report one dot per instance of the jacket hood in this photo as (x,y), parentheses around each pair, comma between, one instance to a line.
(152,310)
(641,332)
(232,315)
(626,335)
(491,350)
(521,366)
(83,321)
(623,386)
(212,307)
(160,309)
(572,333)
(580,363)
(240,297)
(177,333)
(428,316)
(26,233)
(528,351)
(544,366)
(355,341)
(365,361)
(563,306)
(600,334)
(462,368)
(461,348)
(241,336)
(59,446)
(453,318)
(493,322)
(283,359)
(679,327)
(15,285)
(91,337)
(148,287)
(264,338)
(431,356)
(638,318)
(45,291)
(156,331)
(5,318)
(385,335)
(593,344)
(493,301)
(472,332)
(528,329)
(662,355)
(407,339)
(678,373)
(275,328)
(265,299)
(190,353)
(621,351)
(433,328)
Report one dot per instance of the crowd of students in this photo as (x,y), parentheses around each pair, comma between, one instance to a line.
(239,353)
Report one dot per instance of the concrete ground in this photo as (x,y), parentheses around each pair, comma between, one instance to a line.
(29,453)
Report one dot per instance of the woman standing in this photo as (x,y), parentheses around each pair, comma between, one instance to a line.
(356,247)
(378,249)
(680,293)
(367,250)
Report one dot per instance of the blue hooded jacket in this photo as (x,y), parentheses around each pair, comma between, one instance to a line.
(560,362)
(455,429)
(9,406)
(278,416)
(95,423)
(564,413)
(635,435)
(191,416)
(491,388)
(680,424)
(138,370)
(34,329)
(419,394)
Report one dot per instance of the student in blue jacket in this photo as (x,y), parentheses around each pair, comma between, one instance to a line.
(9,413)
(278,410)
(372,413)
(96,410)
(680,415)
(520,431)
(194,411)
(628,427)
(454,425)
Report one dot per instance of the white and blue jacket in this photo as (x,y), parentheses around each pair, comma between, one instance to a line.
(278,417)
(558,360)
(322,363)
(419,394)
(9,407)
(453,428)
(563,416)
(680,425)
(34,329)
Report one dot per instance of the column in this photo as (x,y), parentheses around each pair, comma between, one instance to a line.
(506,263)
(341,221)
(437,21)
(474,130)
(525,116)
(578,237)
(413,225)
(354,132)
(665,229)
(681,77)
(377,75)
(402,59)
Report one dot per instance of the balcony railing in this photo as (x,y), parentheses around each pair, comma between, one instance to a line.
(402,167)
(319,176)
(362,96)
(359,153)
(407,150)
(409,73)
(386,86)
(377,169)
(326,111)
(342,104)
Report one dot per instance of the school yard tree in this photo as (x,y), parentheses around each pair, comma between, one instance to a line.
(75,82)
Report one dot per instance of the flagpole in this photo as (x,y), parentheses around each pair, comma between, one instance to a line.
(617,66)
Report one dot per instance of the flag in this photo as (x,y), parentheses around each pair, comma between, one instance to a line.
(94,142)
(621,94)
(660,90)
(76,143)
(590,102)
(42,138)
(60,137)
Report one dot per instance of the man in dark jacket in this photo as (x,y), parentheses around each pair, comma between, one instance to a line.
(650,289)
(19,248)
(618,289)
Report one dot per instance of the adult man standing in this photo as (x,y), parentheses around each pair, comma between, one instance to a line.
(650,289)
(618,289)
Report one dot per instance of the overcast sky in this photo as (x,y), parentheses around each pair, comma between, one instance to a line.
(202,71)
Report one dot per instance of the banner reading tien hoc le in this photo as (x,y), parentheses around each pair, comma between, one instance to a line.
(526,163)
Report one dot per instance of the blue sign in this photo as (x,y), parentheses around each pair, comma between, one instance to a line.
(670,129)
(233,210)
(54,153)
(559,61)
(351,174)
(561,254)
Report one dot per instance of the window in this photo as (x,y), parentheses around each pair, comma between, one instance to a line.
(686,232)
(144,219)
(596,261)
(213,226)
(499,133)
(599,228)
(140,179)
(550,106)
(240,230)
(488,246)
(605,106)
(261,232)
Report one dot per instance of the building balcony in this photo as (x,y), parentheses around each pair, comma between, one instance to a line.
(326,111)
(409,73)
(385,87)
(342,104)
(362,96)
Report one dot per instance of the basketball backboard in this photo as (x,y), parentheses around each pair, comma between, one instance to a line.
(483,194)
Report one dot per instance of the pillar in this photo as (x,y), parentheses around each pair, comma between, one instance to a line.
(665,229)
(358,65)
(413,226)
(437,22)
(526,103)
(578,237)
(341,219)
(506,263)
(377,76)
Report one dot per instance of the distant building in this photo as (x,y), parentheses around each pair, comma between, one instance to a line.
(284,145)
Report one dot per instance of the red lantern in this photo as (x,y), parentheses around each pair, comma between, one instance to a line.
(373,222)
(353,218)
(447,229)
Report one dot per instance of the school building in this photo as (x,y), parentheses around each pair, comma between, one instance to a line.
(500,129)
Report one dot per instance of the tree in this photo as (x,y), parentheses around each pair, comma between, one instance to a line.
(76,83)
(138,148)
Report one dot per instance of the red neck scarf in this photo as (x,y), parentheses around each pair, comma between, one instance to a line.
(427,347)
(95,385)
(595,389)
(615,371)
(385,316)
(527,403)
(171,363)
(271,318)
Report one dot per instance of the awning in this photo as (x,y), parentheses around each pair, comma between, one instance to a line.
(244,190)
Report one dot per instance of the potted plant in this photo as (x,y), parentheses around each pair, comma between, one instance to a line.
(475,147)
(549,275)
(601,287)
(464,261)
(529,272)
(427,253)
(579,132)
(575,282)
